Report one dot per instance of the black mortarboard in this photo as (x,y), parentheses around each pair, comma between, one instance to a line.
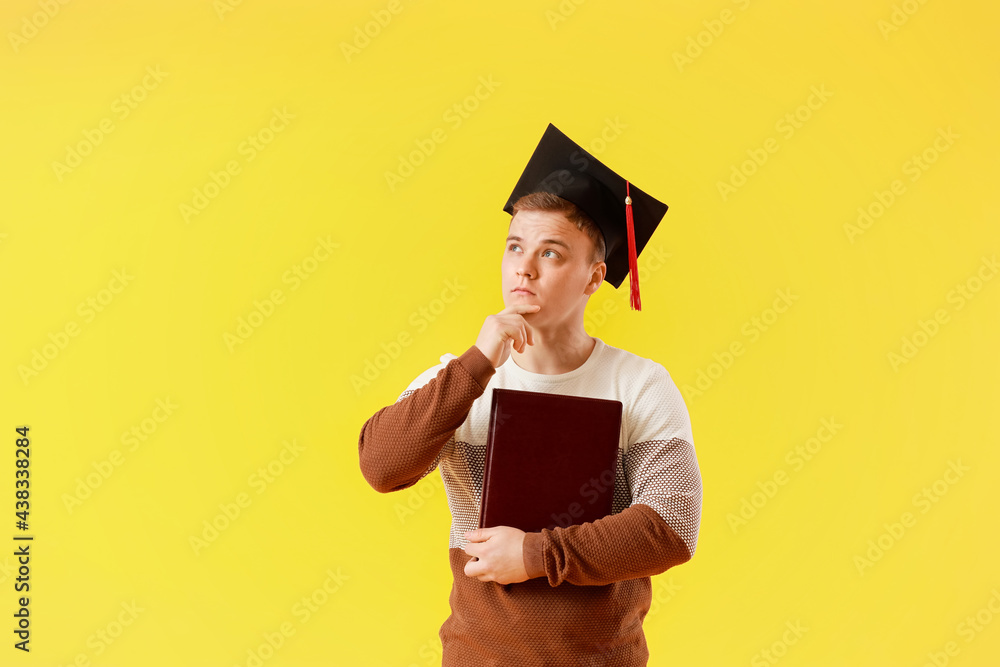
(621,210)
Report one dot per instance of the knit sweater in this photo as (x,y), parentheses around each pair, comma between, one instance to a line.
(589,587)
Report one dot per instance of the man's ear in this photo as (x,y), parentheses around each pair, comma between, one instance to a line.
(597,274)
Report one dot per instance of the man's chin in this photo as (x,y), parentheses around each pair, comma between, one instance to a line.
(512,299)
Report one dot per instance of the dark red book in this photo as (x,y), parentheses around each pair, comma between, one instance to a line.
(550,460)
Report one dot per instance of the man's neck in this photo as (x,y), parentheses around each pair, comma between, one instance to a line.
(554,354)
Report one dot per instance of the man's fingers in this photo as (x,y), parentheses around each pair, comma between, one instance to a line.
(521,308)
(516,334)
(508,324)
(474,568)
(476,536)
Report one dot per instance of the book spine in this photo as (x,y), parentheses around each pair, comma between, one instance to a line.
(489,458)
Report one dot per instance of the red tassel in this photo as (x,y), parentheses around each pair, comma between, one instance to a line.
(632,263)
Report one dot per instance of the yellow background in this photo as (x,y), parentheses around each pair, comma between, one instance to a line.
(683,127)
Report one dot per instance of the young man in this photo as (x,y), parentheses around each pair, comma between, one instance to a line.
(571,595)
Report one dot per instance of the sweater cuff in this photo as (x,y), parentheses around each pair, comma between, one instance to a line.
(479,367)
(531,551)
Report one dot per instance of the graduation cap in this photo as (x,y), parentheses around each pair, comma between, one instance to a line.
(625,214)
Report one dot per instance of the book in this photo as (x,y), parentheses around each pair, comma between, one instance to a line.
(550,460)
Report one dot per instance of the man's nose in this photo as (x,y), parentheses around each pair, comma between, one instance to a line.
(526,267)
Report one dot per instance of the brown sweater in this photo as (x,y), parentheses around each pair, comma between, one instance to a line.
(590,584)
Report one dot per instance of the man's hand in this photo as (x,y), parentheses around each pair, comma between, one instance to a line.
(498,555)
(506,329)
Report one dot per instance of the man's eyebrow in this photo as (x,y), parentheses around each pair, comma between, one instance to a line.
(544,241)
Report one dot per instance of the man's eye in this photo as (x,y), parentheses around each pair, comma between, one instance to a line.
(512,246)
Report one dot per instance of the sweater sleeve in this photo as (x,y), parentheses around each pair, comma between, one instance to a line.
(659,529)
(401,443)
